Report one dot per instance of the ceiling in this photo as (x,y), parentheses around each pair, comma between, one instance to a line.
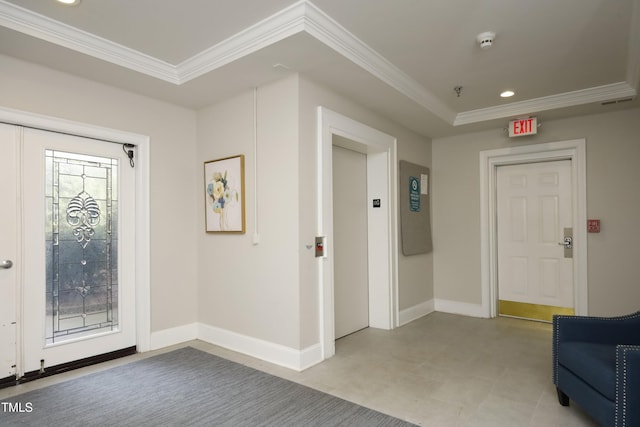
(400,58)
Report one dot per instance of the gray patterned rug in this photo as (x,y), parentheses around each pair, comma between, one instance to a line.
(185,387)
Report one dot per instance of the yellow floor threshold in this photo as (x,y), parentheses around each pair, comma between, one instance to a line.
(531,311)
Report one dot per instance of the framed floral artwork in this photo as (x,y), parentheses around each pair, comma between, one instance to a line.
(224,195)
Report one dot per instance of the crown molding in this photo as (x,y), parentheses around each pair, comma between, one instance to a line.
(277,27)
(326,30)
(562,100)
(304,16)
(50,30)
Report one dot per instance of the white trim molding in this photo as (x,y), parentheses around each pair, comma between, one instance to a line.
(304,17)
(277,27)
(574,150)
(382,223)
(44,28)
(277,354)
(172,336)
(591,95)
(326,30)
(281,355)
(415,312)
(461,308)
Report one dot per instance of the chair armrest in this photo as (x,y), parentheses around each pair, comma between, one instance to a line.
(603,330)
(627,385)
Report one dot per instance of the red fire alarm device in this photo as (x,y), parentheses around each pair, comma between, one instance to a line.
(593,225)
(320,247)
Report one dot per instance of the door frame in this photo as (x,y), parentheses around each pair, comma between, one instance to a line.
(573,150)
(142,231)
(380,149)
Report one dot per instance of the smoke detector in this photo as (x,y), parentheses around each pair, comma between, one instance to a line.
(486,39)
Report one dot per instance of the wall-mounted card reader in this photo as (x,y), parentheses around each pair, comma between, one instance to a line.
(321,247)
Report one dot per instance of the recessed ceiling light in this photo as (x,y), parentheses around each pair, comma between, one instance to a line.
(69,2)
(507,93)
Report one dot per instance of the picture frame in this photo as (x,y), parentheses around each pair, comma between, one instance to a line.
(224,195)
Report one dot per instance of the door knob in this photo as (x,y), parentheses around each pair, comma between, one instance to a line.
(6,264)
(567,243)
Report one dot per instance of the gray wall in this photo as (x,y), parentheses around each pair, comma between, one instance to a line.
(613,176)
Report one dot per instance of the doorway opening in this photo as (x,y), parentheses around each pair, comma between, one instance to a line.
(381,170)
(575,152)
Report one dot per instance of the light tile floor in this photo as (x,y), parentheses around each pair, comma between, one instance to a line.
(441,370)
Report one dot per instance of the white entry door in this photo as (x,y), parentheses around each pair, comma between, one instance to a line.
(76,275)
(350,228)
(8,250)
(534,215)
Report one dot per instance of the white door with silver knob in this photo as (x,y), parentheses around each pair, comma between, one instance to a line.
(534,215)
(67,250)
(8,251)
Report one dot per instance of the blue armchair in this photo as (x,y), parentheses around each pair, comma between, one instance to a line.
(596,363)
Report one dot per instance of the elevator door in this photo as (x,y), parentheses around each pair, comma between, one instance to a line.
(351,282)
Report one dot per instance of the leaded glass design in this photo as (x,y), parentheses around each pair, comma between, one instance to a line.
(81,245)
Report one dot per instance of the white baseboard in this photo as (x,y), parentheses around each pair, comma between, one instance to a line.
(310,356)
(274,353)
(463,308)
(286,356)
(417,311)
(172,336)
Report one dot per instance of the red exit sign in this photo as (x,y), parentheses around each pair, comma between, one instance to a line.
(522,127)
